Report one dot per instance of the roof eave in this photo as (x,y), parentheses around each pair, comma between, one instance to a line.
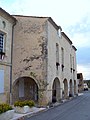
(13,19)
(66,37)
(54,24)
(74,47)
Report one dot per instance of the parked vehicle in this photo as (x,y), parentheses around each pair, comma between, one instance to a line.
(85,86)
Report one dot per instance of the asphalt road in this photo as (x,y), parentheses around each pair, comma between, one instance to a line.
(76,109)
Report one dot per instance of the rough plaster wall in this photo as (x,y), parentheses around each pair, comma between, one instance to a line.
(30,53)
(6,62)
(8,38)
(75,67)
(30,50)
(4,97)
(67,51)
(53,38)
(75,62)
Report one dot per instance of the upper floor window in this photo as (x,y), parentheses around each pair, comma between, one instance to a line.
(1,41)
(71,62)
(57,56)
(59,33)
(2,46)
(62,58)
(62,54)
(57,53)
(4,24)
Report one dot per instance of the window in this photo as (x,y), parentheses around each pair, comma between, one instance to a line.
(62,52)
(2,46)
(4,24)
(62,58)
(1,81)
(59,33)
(57,53)
(71,62)
(57,56)
(1,41)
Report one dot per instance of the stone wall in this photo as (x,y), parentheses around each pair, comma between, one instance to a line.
(34,53)
(6,23)
(29,49)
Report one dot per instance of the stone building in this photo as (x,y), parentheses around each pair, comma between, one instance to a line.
(80,82)
(37,60)
(68,64)
(7,23)
(44,61)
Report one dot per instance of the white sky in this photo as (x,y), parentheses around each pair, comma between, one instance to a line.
(72,15)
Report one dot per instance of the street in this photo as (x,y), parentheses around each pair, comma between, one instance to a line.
(75,109)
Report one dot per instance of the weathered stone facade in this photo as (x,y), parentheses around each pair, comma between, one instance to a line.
(37,54)
(39,60)
(6,26)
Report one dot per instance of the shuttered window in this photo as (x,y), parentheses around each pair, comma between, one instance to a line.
(1,42)
(1,81)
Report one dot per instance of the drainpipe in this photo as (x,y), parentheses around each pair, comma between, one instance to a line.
(11,64)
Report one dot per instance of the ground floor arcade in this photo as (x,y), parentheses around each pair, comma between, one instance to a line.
(27,88)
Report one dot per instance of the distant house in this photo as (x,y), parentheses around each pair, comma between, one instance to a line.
(80,82)
(7,23)
(44,61)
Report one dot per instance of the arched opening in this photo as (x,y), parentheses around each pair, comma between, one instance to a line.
(25,88)
(74,86)
(65,92)
(56,90)
(70,90)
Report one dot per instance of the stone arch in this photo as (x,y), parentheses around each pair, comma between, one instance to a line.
(65,92)
(74,86)
(31,77)
(56,90)
(70,88)
(25,88)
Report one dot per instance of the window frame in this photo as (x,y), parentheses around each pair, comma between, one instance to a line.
(1,42)
(62,58)
(2,81)
(2,49)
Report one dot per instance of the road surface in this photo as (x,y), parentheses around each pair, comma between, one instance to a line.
(76,109)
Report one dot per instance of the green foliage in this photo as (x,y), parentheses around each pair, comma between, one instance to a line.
(4,107)
(33,74)
(30,103)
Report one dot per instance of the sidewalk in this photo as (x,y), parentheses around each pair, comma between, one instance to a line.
(18,116)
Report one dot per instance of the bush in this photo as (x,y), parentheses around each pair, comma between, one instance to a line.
(4,107)
(30,103)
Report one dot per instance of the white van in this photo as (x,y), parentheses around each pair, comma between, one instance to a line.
(85,86)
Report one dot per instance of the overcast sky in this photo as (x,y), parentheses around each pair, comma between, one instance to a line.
(72,15)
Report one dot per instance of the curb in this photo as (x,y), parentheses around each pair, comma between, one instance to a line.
(23,116)
(28,115)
